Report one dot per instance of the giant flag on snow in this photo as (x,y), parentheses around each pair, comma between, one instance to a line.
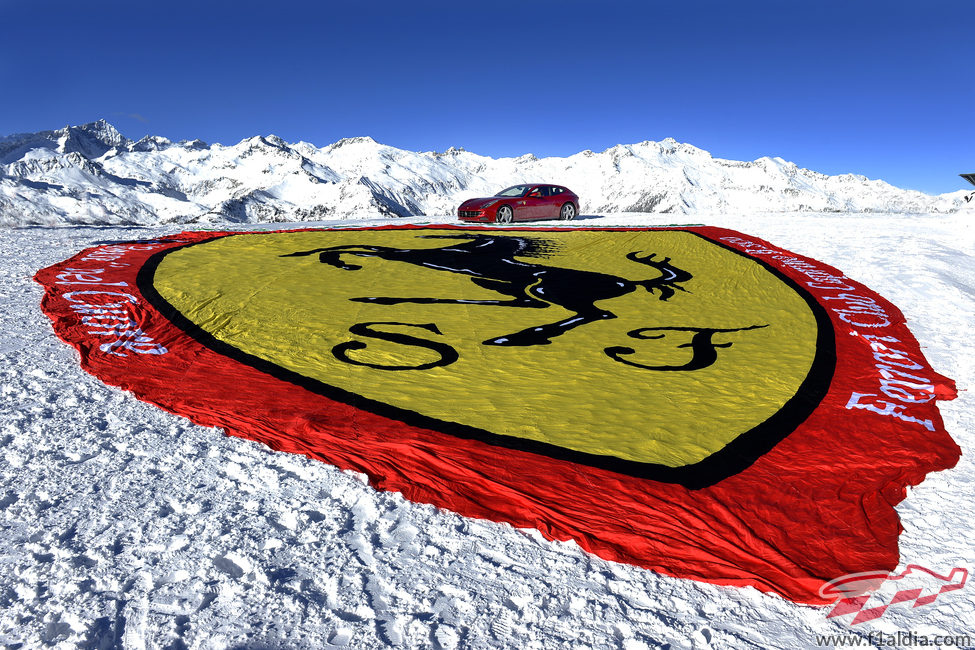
(692,400)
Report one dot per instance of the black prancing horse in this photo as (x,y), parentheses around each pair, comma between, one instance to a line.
(490,262)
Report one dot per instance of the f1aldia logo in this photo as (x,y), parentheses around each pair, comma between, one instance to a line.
(492,262)
(916,585)
(643,352)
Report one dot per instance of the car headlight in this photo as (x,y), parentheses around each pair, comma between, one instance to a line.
(488,204)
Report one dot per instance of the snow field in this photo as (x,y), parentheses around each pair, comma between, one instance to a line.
(123,526)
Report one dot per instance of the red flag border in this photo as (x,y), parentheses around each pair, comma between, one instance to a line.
(119,355)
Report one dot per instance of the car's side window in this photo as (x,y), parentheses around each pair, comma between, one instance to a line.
(554,190)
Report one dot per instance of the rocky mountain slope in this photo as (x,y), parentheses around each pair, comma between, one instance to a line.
(92,174)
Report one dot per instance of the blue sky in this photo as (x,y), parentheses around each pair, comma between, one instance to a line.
(883,89)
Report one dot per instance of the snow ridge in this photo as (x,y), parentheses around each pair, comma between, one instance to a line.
(92,174)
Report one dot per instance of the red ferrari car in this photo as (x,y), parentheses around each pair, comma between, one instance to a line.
(521,203)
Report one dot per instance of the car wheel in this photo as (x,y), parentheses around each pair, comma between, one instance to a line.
(505,215)
(568,212)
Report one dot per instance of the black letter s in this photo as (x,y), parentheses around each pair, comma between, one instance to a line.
(447,354)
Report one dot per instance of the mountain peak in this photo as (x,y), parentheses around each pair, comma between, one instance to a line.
(150,143)
(99,130)
(362,139)
(91,140)
(195,143)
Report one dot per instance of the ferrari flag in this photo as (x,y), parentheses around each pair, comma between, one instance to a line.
(692,400)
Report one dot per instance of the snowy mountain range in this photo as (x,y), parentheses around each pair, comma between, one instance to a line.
(91,174)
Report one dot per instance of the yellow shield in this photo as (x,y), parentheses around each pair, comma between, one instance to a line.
(624,349)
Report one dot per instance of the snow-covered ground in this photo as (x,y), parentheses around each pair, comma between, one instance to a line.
(122,526)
